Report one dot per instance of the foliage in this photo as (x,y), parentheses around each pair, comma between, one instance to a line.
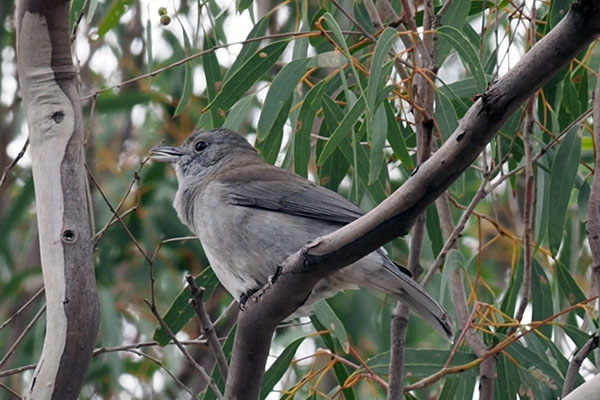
(316,95)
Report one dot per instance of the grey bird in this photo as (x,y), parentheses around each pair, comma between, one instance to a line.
(250,216)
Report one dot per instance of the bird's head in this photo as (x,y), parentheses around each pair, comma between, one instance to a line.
(206,153)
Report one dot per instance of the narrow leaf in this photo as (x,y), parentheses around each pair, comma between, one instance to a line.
(395,137)
(541,297)
(188,80)
(375,83)
(325,314)
(250,72)
(114,15)
(276,371)
(280,91)
(304,125)
(467,53)
(564,170)
(377,142)
(343,129)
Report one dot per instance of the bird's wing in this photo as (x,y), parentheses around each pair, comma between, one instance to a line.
(274,189)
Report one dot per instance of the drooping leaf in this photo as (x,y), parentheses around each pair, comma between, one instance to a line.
(304,124)
(188,82)
(343,130)
(114,15)
(280,91)
(251,71)
(276,371)
(564,170)
(467,54)
(325,314)
(541,297)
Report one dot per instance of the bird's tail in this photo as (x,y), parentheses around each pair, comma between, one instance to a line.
(409,292)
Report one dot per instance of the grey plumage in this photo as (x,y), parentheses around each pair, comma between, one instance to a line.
(250,215)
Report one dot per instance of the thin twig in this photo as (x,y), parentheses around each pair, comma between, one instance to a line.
(12,348)
(13,162)
(116,214)
(160,364)
(114,217)
(529,200)
(208,329)
(187,355)
(9,390)
(207,51)
(23,307)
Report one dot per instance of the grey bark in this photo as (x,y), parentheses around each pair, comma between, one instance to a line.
(51,100)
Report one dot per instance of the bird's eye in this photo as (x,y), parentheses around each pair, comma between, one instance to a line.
(200,145)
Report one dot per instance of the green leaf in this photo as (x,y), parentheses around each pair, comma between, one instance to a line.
(333,171)
(568,288)
(149,48)
(395,137)
(537,365)
(304,125)
(507,380)
(216,374)
(377,141)
(564,170)
(243,5)
(541,297)
(458,389)
(512,294)
(340,370)
(582,202)
(180,312)
(376,82)
(280,91)
(345,127)
(251,47)
(269,147)
(238,113)
(212,72)
(276,371)
(558,9)
(446,118)
(325,314)
(333,117)
(467,53)
(114,15)
(455,16)
(433,230)
(75,11)
(247,75)
(188,82)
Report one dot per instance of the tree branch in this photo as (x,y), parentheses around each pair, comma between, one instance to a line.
(395,216)
(208,329)
(576,362)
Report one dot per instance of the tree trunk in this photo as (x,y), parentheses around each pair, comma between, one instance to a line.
(51,100)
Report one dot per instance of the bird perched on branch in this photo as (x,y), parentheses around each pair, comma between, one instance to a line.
(250,216)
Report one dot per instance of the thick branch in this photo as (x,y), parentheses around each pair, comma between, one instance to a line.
(576,362)
(394,216)
(51,100)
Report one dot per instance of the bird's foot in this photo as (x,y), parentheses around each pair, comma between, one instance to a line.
(256,294)
(244,297)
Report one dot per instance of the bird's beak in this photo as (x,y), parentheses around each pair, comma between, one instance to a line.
(166,154)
